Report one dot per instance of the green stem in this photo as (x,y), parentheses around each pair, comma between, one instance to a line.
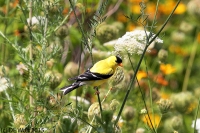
(82,31)
(30,51)
(151,99)
(143,97)
(63,21)
(139,63)
(165,23)
(10,104)
(130,86)
(99,100)
(4,47)
(190,62)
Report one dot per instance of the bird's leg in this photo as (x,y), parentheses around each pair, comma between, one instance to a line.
(97,91)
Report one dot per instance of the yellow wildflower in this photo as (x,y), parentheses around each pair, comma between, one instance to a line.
(151,120)
(167,69)
(141,74)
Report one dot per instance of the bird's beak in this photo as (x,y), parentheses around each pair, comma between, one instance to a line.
(120,64)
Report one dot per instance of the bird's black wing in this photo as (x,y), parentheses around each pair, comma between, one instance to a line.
(88,76)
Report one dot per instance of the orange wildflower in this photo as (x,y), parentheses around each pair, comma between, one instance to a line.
(131,27)
(141,74)
(152,118)
(165,95)
(151,8)
(178,50)
(65,11)
(161,80)
(135,9)
(121,17)
(167,69)
(180,9)
(15,3)
(168,6)
(88,9)
(198,37)
(16,33)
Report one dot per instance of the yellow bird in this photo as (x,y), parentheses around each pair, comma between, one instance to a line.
(96,75)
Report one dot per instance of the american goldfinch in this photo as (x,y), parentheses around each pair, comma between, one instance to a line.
(96,75)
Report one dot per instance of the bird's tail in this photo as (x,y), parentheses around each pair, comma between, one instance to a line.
(70,88)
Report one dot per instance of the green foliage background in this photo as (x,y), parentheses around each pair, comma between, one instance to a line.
(61,44)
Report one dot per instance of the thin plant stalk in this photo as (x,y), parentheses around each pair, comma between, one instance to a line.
(82,31)
(150,94)
(4,47)
(30,51)
(31,99)
(10,104)
(66,17)
(190,63)
(99,100)
(139,63)
(143,97)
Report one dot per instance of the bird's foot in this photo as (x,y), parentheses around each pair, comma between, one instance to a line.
(97,93)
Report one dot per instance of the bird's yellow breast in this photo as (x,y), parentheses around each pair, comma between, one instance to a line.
(96,82)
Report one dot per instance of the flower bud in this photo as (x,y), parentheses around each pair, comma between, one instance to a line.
(94,110)
(178,36)
(162,55)
(71,69)
(164,105)
(182,101)
(193,8)
(177,122)
(23,70)
(140,130)
(52,6)
(50,63)
(62,32)
(19,121)
(3,70)
(114,104)
(143,111)
(106,32)
(128,113)
(54,77)
(117,77)
(186,27)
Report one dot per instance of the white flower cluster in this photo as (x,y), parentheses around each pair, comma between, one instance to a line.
(4,83)
(36,20)
(134,42)
(197,125)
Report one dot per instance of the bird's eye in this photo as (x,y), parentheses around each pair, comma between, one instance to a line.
(119,60)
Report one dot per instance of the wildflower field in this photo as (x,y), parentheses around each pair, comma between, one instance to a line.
(45,43)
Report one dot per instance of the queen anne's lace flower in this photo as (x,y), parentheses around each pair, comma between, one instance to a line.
(134,42)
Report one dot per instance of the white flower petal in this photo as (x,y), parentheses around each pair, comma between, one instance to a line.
(134,42)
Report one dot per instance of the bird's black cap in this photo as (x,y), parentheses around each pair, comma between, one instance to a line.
(119,60)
